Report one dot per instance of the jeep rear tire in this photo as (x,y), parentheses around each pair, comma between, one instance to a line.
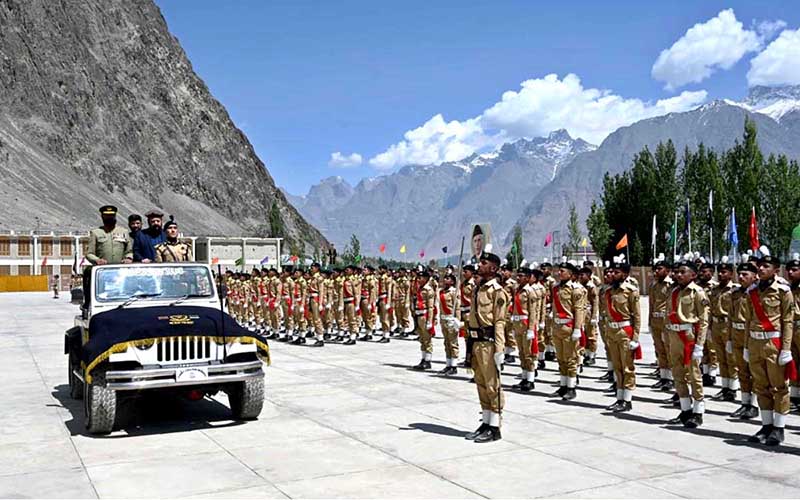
(247,399)
(100,406)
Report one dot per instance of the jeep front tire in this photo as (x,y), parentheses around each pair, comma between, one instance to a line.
(247,398)
(100,406)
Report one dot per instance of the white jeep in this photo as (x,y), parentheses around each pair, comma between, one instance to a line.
(160,326)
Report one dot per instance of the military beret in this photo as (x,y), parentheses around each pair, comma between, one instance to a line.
(747,266)
(423,273)
(288,269)
(585,270)
(108,210)
(506,267)
(724,266)
(171,222)
(133,217)
(469,267)
(524,270)
(316,264)
(688,263)
(769,259)
(537,273)
(490,257)
(588,263)
(794,262)
(706,265)
(383,267)
(568,266)
(545,265)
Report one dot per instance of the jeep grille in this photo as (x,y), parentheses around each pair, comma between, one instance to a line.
(184,349)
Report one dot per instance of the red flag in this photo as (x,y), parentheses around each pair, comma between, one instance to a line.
(382,248)
(44,261)
(215,260)
(548,239)
(294,258)
(754,244)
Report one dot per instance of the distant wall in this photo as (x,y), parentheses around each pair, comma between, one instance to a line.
(36,283)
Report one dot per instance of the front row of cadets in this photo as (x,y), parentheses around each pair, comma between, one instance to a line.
(744,328)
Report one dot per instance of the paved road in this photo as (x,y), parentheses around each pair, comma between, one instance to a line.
(354,422)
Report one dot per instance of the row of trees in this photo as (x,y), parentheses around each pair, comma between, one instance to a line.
(659,184)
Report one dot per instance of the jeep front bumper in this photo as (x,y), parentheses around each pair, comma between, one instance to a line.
(188,375)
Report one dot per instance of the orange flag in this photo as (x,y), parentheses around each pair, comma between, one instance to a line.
(382,248)
(623,242)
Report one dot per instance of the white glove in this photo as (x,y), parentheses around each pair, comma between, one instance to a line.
(784,358)
(429,326)
(529,335)
(458,324)
(341,309)
(576,334)
(698,352)
(498,359)
(633,345)
(729,347)
(541,325)
(746,355)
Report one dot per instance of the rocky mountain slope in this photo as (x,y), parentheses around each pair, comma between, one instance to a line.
(99,103)
(428,207)
(718,125)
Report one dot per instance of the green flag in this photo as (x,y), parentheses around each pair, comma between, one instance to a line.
(673,233)
(239,262)
(358,259)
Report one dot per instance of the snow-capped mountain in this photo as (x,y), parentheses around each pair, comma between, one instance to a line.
(775,102)
(428,206)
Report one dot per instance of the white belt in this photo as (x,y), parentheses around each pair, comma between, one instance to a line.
(447,316)
(519,317)
(659,315)
(347,300)
(383,295)
(419,313)
(765,335)
(738,326)
(465,309)
(315,295)
(681,327)
(563,321)
(286,296)
(619,324)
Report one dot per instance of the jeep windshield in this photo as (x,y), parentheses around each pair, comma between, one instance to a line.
(142,282)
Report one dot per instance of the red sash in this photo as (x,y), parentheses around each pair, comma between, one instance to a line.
(518,308)
(790,372)
(443,300)
(688,347)
(535,340)
(562,313)
(617,317)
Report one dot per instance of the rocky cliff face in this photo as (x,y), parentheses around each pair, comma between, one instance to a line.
(99,103)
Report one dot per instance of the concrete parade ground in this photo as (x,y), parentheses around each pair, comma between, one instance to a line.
(354,421)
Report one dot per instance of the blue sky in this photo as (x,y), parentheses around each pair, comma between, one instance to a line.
(306,79)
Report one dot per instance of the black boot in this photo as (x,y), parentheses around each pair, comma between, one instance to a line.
(509,358)
(477,432)
(668,386)
(489,435)
(570,394)
(695,421)
(659,384)
(682,418)
(750,413)
(721,395)
(614,407)
(709,381)
(739,411)
(589,361)
(350,341)
(540,365)
(549,356)
(672,400)
(319,343)
(626,407)
(761,435)
(608,377)
(384,340)
(523,386)
(775,437)
(611,388)
(451,371)
(559,393)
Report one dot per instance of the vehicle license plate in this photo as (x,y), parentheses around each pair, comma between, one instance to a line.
(191,373)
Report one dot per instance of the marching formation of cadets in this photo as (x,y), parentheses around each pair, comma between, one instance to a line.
(737,328)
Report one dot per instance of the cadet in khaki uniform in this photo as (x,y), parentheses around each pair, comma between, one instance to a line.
(424,298)
(284,289)
(659,293)
(622,334)
(687,324)
(467,287)
(173,250)
(770,322)
(608,279)
(524,320)
(385,302)
(510,285)
(793,276)
(329,299)
(299,302)
(369,296)
(592,314)
(450,323)
(720,299)
(351,290)
(740,301)
(547,351)
(705,279)
(569,305)
(485,325)
(315,290)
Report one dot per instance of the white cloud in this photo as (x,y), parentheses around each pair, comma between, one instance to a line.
(344,161)
(540,106)
(718,43)
(435,141)
(779,63)
(768,29)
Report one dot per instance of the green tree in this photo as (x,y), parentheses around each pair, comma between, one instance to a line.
(781,203)
(743,170)
(514,256)
(276,226)
(573,231)
(352,252)
(599,231)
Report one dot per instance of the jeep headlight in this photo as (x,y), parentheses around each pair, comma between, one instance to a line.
(145,345)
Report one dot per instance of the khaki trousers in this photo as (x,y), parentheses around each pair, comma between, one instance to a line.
(350,318)
(796,352)
(525,353)
(450,340)
(299,315)
(384,315)
(368,314)
(288,315)
(591,336)
(659,334)
(566,351)
(510,341)
(727,363)
(685,376)
(621,356)
(487,378)
(739,337)
(769,378)
(401,315)
(421,328)
(316,318)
